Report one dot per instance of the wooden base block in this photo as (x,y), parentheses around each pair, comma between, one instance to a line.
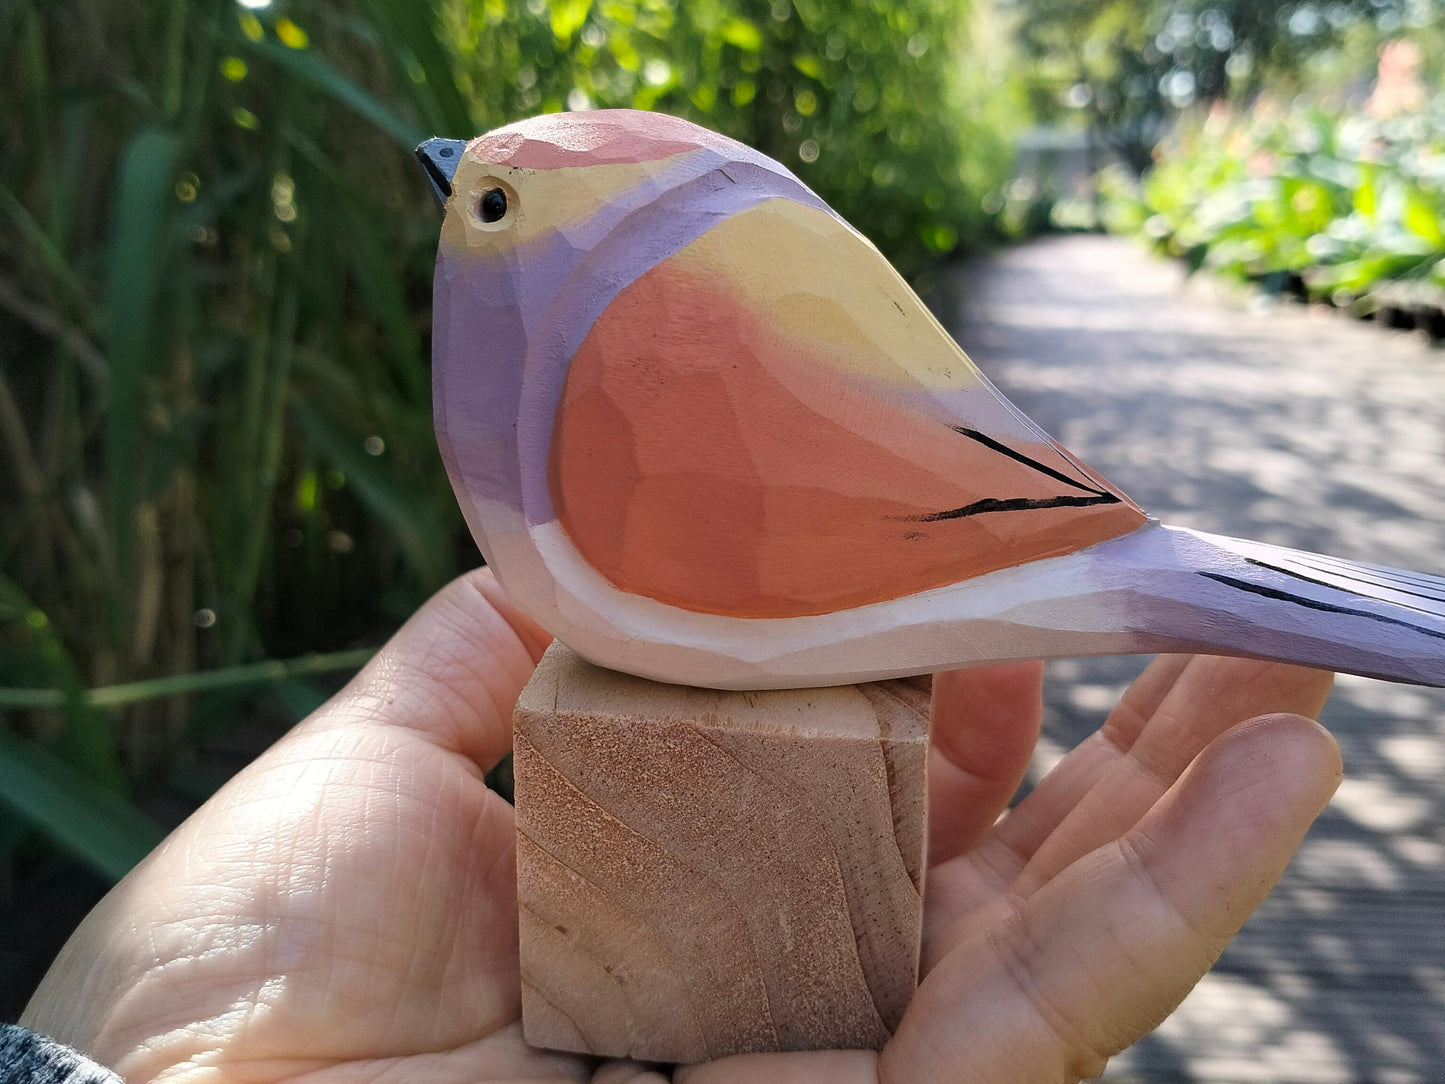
(705,873)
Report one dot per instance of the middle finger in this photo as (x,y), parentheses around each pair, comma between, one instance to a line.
(1210,696)
(1102,788)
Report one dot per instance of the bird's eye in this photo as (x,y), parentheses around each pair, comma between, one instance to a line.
(493,205)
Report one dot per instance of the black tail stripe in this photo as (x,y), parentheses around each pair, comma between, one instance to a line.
(1357,579)
(1321,563)
(1315,604)
(1388,585)
(1013,504)
(1018,457)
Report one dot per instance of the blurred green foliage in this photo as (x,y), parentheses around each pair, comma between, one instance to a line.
(1344,202)
(895,113)
(215,414)
(1125,68)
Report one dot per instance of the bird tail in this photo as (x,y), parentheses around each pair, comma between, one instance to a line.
(1184,590)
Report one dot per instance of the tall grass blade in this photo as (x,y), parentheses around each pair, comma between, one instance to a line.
(228,677)
(384,288)
(138,245)
(410,32)
(409,516)
(88,741)
(105,831)
(34,235)
(310,68)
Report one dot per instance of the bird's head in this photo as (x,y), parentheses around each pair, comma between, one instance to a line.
(545,223)
(522,184)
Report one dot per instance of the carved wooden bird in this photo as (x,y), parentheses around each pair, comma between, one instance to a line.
(704,433)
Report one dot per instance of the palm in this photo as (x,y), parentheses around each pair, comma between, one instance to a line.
(346,906)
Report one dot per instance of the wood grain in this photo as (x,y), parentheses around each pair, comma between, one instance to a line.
(706,873)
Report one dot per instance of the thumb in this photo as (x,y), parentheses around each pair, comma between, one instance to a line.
(452,673)
(1053,985)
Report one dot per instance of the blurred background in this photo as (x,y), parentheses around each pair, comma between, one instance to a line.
(219,487)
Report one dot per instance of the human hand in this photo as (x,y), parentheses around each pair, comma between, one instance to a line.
(345,908)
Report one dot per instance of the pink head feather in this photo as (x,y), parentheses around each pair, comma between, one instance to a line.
(598,137)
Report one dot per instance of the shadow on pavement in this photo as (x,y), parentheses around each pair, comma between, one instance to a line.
(1300,429)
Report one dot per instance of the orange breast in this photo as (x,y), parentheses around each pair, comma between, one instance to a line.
(687,468)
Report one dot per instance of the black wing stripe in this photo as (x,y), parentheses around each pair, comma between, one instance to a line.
(1013,504)
(1315,604)
(1019,457)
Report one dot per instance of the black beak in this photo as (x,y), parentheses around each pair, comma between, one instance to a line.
(439,157)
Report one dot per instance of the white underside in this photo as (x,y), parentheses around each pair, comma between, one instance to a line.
(1059,606)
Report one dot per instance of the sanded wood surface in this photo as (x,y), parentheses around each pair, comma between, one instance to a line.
(704,873)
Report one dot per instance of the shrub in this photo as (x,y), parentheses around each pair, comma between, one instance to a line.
(1344,200)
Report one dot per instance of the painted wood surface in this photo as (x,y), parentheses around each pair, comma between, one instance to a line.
(704,873)
(704,433)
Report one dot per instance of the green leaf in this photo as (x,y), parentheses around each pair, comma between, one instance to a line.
(101,829)
(1367,195)
(742,33)
(704,96)
(623,51)
(568,17)
(809,65)
(1422,219)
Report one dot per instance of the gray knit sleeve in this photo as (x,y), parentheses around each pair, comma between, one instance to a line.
(27,1058)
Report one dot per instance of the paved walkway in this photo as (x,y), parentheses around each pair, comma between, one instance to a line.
(1304,429)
